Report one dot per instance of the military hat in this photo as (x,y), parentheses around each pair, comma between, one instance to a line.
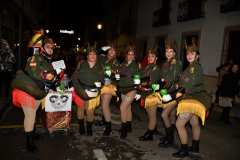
(172,45)
(131,49)
(44,39)
(112,45)
(191,48)
(155,50)
(92,48)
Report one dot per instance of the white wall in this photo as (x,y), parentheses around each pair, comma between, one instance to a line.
(212,27)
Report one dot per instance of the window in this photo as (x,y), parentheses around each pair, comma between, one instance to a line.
(229,6)
(231,47)
(191,9)
(161,16)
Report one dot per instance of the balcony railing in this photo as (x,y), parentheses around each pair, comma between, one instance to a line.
(161,17)
(191,9)
(229,6)
(126,26)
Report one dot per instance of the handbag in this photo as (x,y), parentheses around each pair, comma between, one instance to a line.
(225,102)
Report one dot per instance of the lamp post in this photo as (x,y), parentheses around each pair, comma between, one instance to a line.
(99,26)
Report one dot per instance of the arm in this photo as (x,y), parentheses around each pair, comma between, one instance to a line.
(12,58)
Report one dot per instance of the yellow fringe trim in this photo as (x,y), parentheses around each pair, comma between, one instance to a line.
(192,106)
(168,103)
(43,102)
(109,89)
(153,100)
(93,103)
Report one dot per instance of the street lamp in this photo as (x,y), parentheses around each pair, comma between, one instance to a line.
(47,31)
(79,39)
(77,45)
(99,26)
(55,44)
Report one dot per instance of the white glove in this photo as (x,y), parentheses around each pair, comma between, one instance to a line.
(105,48)
(117,76)
(58,71)
(157,88)
(137,97)
(71,89)
(98,84)
(58,89)
(166,98)
(108,73)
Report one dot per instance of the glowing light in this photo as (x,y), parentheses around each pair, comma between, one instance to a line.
(47,31)
(99,26)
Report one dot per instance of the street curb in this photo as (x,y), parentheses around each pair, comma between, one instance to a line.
(216,108)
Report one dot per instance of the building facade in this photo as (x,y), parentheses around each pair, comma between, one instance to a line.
(19,19)
(118,19)
(215,24)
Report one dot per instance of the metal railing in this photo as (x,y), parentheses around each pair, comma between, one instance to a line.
(229,6)
(161,17)
(191,9)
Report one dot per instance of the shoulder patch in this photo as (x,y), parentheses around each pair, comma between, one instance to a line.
(33,64)
(173,61)
(191,69)
(33,59)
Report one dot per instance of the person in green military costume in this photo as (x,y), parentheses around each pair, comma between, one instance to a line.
(110,86)
(193,102)
(31,86)
(170,70)
(129,68)
(88,79)
(148,100)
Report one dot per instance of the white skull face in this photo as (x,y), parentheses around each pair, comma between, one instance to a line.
(58,102)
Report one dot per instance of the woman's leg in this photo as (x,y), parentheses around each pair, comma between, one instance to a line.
(90,118)
(126,113)
(168,120)
(196,134)
(105,106)
(125,106)
(183,118)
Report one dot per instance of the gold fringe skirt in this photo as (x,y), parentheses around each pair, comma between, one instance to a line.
(168,103)
(192,106)
(109,89)
(153,100)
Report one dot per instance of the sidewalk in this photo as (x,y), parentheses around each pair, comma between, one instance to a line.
(234,110)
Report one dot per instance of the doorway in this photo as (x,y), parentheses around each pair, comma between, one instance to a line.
(160,40)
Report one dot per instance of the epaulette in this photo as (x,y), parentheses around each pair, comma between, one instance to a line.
(173,61)
(139,65)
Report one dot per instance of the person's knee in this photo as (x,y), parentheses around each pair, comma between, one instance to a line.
(164,115)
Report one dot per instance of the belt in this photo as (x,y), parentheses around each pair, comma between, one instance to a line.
(82,84)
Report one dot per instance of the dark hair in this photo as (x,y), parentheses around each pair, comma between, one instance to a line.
(227,64)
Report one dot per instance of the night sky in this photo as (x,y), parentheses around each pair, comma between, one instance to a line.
(74,11)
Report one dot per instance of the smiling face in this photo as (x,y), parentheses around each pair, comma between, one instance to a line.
(192,57)
(152,58)
(235,68)
(111,52)
(92,56)
(48,48)
(130,56)
(3,46)
(169,53)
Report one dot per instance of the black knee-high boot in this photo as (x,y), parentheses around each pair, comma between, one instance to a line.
(123,131)
(30,142)
(165,137)
(102,122)
(81,127)
(169,139)
(148,136)
(36,136)
(195,147)
(89,128)
(182,153)
(108,129)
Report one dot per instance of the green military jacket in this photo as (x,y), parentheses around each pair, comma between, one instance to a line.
(132,69)
(170,70)
(191,79)
(35,65)
(153,71)
(113,62)
(88,76)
